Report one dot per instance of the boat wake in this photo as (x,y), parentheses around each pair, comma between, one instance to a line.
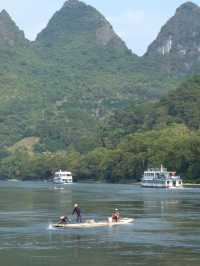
(50,227)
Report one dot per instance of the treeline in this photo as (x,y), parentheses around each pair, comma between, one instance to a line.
(120,147)
(181,106)
(176,147)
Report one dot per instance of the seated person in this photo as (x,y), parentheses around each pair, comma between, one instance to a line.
(115,216)
(63,220)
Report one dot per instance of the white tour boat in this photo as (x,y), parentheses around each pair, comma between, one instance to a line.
(63,177)
(161,178)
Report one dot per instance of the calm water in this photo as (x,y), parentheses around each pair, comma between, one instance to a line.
(166,231)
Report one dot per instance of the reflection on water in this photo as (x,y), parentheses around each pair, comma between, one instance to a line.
(166,231)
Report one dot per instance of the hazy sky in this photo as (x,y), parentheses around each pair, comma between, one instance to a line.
(136,21)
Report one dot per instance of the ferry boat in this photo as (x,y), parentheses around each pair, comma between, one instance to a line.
(63,177)
(161,178)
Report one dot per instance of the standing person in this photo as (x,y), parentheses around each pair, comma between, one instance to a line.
(77,210)
(115,215)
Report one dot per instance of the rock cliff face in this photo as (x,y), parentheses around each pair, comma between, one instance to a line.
(80,21)
(9,33)
(177,47)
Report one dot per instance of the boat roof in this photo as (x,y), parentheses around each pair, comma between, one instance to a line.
(62,172)
(156,169)
(159,170)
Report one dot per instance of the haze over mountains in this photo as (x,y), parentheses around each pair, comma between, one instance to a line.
(78,71)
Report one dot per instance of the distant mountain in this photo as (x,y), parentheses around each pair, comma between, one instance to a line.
(18,83)
(60,87)
(10,34)
(176,51)
(76,95)
(77,21)
(79,37)
(90,72)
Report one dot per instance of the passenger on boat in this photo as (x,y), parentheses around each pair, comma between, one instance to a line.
(77,210)
(63,220)
(115,216)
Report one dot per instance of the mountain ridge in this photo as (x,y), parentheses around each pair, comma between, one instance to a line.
(186,6)
(76,73)
(76,17)
(177,47)
(10,34)
(73,3)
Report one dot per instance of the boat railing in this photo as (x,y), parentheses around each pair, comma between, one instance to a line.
(175,177)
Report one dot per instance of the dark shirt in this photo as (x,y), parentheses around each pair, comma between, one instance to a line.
(115,216)
(77,210)
(64,220)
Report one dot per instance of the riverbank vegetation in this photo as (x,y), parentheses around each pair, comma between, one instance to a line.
(176,146)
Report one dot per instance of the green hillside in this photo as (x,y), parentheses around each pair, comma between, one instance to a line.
(126,144)
(78,98)
(75,74)
(181,106)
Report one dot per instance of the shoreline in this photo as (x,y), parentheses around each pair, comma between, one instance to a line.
(94,182)
(191,185)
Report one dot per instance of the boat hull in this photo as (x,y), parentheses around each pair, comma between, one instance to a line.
(62,183)
(93,224)
(161,185)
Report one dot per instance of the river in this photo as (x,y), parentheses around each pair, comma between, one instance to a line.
(166,229)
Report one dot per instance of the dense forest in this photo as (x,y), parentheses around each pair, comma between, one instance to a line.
(166,132)
(77,98)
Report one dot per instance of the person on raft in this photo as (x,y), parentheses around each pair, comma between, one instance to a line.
(63,220)
(77,210)
(115,216)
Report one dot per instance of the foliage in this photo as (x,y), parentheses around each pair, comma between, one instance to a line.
(60,86)
(175,146)
(88,104)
